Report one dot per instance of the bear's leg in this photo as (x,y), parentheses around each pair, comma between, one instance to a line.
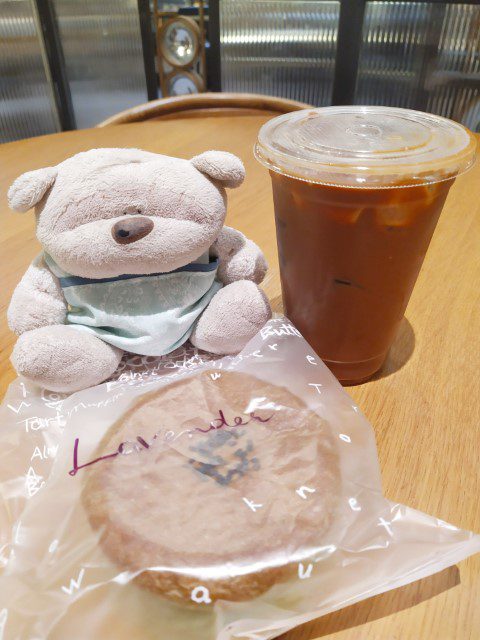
(62,358)
(235,314)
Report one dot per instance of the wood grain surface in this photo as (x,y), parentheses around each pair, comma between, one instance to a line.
(424,405)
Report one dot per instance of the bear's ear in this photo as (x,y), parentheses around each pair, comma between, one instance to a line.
(221,166)
(29,188)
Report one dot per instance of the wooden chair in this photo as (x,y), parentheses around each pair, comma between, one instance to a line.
(205,104)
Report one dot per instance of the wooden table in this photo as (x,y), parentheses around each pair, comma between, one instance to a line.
(424,405)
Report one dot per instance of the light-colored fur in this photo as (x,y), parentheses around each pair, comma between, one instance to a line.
(248,304)
(37,300)
(61,358)
(76,205)
(240,258)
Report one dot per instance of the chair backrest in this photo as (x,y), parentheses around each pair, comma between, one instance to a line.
(202,104)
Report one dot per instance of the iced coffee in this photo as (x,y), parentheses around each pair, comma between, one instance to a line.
(357,194)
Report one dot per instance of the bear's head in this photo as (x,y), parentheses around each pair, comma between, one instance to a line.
(108,212)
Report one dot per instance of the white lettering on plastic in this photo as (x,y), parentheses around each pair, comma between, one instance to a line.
(283,330)
(302,490)
(317,386)
(252,505)
(311,360)
(33,482)
(36,424)
(388,529)
(303,573)
(215,376)
(46,452)
(354,506)
(273,347)
(20,406)
(36,454)
(74,584)
(201,595)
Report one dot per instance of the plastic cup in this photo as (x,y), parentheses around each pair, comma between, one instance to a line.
(357,194)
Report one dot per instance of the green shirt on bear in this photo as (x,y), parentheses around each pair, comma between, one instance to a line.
(150,314)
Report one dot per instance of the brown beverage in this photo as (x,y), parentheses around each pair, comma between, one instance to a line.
(350,250)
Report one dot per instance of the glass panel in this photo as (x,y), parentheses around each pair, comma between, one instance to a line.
(102,46)
(455,83)
(26,107)
(282,49)
(422,56)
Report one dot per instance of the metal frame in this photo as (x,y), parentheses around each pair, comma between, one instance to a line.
(55,63)
(349,41)
(214,70)
(148,48)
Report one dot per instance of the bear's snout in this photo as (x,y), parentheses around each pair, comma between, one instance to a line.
(131,229)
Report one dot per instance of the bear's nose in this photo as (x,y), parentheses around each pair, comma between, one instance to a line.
(131,229)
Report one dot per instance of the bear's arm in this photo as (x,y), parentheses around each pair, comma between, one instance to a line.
(37,300)
(239,257)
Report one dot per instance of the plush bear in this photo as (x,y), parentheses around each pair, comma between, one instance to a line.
(136,259)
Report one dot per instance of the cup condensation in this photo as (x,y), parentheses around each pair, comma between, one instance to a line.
(357,195)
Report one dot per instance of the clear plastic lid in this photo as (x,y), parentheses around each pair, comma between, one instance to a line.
(370,147)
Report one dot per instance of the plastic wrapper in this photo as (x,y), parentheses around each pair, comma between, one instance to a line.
(200,497)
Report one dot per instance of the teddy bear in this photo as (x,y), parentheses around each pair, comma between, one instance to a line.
(136,259)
